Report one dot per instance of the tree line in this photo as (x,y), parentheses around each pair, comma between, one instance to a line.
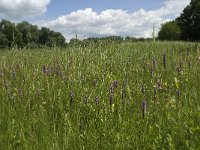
(25,34)
(185,27)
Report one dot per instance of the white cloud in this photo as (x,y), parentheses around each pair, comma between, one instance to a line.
(115,22)
(22,8)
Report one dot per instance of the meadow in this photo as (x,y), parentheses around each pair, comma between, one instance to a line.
(101,96)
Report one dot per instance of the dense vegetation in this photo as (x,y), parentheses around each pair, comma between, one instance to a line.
(184,27)
(101,96)
(24,34)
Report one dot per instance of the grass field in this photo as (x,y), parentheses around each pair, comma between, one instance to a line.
(102,96)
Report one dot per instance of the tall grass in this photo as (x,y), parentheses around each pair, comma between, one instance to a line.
(106,96)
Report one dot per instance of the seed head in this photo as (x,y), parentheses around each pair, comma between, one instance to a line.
(20,92)
(14,74)
(38,92)
(179,71)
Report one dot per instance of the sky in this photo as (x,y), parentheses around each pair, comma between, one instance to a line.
(94,18)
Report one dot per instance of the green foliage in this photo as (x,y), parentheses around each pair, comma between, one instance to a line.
(184,27)
(170,31)
(189,21)
(48,97)
(24,34)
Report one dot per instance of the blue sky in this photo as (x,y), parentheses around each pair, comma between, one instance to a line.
(57,7)
(94,18)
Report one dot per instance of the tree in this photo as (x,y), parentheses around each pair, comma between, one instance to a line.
(44,36)
(12,33)
(4,42)
(189,21)
(170,31)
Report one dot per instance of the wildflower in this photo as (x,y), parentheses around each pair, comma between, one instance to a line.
(144,107)
(164,60)
(115,84)
(96,100)
(111,95)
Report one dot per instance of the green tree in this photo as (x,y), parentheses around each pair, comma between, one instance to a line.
(189,21)
(4,42)
(170,31)
(12,33)
(44,36)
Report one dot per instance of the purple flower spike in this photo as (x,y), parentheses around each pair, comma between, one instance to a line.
(164,60)
(96,100)
(115,84)
(144,107)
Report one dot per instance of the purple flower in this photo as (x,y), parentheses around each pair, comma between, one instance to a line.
(96,100)
(111,95)
(115,84)
(144,107)
(164,60)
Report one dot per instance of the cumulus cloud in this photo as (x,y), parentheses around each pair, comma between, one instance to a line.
(22,8)
(89,23)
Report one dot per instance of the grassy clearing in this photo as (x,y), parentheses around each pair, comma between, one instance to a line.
(91,97)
